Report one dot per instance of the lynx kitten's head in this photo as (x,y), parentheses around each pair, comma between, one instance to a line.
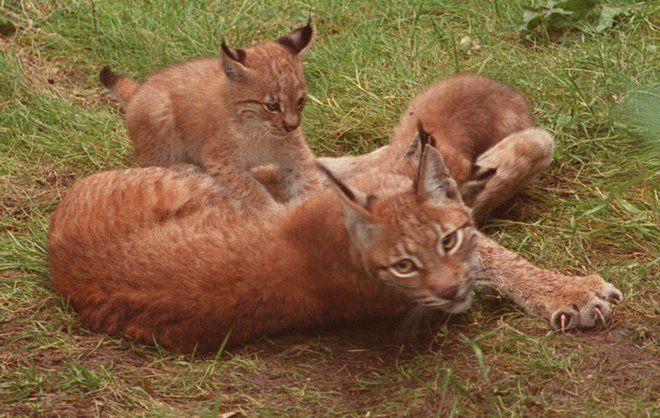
(266,82)
(421,240)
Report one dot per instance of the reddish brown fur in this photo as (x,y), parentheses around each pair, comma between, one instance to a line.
(475,120)
(212,112)
(466,114)
(159,262)
(165,255)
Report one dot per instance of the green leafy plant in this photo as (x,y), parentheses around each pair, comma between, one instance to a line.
(561,17)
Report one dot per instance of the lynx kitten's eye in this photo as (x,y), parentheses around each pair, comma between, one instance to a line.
(404,268)
(451,241)
(273,107)
(301,101)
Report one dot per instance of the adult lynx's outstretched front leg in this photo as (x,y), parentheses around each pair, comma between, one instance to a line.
(567,302)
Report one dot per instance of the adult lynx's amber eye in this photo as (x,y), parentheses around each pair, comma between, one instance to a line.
(404,268)
(273,107)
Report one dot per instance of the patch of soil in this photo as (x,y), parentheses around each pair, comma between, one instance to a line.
(352,365)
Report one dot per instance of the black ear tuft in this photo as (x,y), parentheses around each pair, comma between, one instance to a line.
(299,39)
(344,189)
(424,136)
(237,54)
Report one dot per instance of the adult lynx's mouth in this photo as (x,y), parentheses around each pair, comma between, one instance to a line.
(457,305)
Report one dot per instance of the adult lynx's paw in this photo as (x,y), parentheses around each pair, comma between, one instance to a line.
(582,302)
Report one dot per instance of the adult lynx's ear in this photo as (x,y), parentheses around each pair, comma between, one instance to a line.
(411,158)
(421,139)
(298,40)
(433,182)
(359,220)
(233,61)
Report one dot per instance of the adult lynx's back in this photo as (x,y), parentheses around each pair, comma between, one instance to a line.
(226,114)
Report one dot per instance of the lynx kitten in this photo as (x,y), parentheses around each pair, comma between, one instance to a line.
(484,130)
(226,114)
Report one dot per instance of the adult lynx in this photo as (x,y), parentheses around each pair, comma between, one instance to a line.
(226,115)
(172,259)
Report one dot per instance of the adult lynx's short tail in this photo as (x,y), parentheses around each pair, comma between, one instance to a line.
(121,87)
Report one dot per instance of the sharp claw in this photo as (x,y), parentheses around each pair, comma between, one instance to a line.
(562,319)
(600,316)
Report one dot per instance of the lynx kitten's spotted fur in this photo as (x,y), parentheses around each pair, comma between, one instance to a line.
(226,114)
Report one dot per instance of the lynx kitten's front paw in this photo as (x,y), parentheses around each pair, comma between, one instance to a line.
(582,303)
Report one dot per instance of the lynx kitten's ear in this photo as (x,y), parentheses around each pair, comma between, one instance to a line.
(233,61)
(299,40)
(359,220)
(433,181)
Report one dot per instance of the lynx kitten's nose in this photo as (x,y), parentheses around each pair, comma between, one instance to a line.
(290,128)
(449,293)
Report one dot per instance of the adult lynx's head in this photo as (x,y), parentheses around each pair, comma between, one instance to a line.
(266,84)
(420,240)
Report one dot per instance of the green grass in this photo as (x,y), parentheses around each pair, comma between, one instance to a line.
(595,209)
